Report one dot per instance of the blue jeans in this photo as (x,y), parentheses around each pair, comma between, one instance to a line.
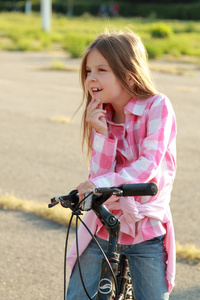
(147,262)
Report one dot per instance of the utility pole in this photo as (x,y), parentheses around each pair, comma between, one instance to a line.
(28,7)
(46,10)
(70,8)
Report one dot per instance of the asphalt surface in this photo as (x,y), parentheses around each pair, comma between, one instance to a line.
(40,159)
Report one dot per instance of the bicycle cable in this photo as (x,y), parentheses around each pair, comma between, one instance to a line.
(65,256)
(74,212)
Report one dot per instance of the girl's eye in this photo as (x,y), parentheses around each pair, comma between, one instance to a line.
(88,72)
(102,70)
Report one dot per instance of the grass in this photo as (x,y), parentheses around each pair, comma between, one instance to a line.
(173,70)
(61,119)
(57,214)
(188,253)
(22,32)
(58,65)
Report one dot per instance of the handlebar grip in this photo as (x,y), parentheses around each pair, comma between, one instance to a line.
(140,189)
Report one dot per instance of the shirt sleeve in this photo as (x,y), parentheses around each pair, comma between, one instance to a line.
(103,155)
(156,158)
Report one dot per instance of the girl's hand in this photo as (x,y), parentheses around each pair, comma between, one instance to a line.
(85,187)
(96,117)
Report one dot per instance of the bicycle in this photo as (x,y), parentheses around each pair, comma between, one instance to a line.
(115,281)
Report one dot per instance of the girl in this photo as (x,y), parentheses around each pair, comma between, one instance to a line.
(130,130)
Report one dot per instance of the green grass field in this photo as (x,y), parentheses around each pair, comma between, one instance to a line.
(20,32)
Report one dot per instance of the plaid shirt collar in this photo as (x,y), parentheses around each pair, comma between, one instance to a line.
(134,106)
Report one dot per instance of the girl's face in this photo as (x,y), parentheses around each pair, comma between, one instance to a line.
(102,83)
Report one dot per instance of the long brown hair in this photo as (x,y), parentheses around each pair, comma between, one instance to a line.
(125,54)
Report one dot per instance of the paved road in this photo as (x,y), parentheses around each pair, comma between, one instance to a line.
(40,158)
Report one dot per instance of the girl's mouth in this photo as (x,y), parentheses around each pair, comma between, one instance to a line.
(96,90)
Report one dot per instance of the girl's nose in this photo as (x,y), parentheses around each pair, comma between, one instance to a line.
(92,77)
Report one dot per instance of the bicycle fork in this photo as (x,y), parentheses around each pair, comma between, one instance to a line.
(125,288)
(107,285)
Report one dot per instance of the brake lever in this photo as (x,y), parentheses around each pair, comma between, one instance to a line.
(54,202)
(115,191)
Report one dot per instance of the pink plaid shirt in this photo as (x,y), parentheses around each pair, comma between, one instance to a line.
(143,149)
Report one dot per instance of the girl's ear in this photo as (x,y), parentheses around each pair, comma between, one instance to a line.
(130,80)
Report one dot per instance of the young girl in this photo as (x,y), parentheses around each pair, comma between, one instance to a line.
(130,129)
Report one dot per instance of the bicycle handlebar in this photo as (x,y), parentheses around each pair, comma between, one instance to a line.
(102,194)
(143,189)
(138,189)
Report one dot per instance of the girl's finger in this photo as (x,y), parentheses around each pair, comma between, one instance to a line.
(93,104)
(95,116)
